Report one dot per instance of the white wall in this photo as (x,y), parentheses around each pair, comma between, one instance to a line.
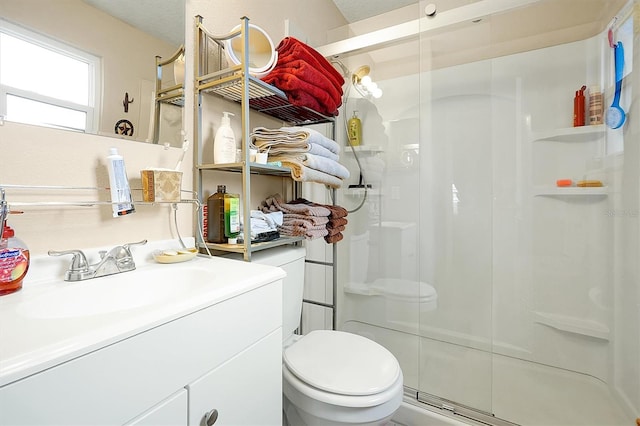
(39,156)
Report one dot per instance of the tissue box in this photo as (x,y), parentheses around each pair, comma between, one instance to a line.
(161,185)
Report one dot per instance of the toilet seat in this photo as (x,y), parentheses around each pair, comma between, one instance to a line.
(308,395)
(341,365)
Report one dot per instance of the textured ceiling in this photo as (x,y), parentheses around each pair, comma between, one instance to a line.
(165,18)
(357,10)
(161,18)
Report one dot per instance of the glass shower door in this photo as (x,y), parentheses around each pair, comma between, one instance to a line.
(456,216)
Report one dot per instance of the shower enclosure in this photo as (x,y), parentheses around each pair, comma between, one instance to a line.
(504,297)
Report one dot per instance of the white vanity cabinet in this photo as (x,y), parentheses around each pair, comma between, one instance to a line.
(226,357)
(170,412)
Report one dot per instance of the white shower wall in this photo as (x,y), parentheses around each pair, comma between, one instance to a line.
(520,271)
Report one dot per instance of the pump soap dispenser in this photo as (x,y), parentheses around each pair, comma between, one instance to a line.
(14,261)
(224,144)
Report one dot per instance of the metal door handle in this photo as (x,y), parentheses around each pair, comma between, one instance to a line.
(211,417)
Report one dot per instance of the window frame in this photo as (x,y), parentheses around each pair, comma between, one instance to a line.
(91,110)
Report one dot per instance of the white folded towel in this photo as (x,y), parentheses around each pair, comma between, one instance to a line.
(294,140)
(316,162)
(302,173)
(316,137)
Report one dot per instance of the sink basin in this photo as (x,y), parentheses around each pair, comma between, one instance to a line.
(121,292)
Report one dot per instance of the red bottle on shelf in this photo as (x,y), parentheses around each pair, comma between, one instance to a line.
(578,107)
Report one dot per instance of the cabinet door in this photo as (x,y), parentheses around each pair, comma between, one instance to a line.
(170,412)
(246,390)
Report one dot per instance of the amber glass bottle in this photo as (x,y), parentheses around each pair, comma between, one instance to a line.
(215,216)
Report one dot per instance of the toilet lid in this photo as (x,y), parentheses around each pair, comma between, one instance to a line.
(342,363)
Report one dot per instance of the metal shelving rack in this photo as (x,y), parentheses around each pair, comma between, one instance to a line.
(172,95)
(235,84)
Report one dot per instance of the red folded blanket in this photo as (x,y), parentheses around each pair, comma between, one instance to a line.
(306,77)
(305,99)
(289,82)
(291,48)
(308,74)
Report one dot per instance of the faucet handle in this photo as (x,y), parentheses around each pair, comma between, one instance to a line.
(127,246)
(139,243)
(79,261)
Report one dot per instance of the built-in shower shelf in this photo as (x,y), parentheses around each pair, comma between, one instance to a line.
(573,325)
(359,192)
(363,149)
(570,134)
(553,191)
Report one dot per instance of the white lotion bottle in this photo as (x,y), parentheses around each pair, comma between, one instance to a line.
(122,203)
(224,144)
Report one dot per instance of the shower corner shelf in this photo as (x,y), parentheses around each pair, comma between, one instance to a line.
(364,149)
(569,134)
(573,325)
(359,192)
(554,191)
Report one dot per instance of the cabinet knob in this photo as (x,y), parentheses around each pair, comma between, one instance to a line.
(211,417)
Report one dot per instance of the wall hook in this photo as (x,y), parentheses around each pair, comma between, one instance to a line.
(126,101)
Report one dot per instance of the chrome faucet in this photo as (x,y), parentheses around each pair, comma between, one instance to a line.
(118,259)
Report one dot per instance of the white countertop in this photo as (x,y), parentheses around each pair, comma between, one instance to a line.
(29,344)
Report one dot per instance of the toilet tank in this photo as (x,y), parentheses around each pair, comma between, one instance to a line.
(291,259)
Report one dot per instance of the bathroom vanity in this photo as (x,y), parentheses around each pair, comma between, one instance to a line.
(182,356)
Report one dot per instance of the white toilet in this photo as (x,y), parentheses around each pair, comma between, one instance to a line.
(330,377)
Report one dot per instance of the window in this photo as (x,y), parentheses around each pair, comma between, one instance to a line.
(45,82)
